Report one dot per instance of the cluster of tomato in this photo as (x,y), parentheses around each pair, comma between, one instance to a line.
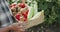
(18,16)
(19,4)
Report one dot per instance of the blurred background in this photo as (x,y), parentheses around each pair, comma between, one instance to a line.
(52,15)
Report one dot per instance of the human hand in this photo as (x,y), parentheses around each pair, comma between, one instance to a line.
(16,27)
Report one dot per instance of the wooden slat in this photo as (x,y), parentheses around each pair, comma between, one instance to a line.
(36,21)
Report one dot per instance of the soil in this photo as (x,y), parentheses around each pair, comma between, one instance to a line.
(45,28)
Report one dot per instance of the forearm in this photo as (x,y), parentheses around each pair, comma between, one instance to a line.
(5,29)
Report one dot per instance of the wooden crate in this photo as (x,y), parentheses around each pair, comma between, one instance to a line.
(36,21)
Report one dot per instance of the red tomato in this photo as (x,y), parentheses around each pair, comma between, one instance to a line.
(25,19)
(27,11)
(21,5)
(18,17)
(25,15)
(14,4)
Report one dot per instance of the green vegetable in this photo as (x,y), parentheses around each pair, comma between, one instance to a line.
(35,7)
(31,13)
(37,15)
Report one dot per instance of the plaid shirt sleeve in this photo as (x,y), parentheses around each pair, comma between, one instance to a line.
(5,14)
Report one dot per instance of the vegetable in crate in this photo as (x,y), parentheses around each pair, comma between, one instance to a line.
(21,5)
(13,8)
(22,16)
(23,12)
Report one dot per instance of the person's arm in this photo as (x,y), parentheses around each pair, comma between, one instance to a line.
(5,29)
(14,27)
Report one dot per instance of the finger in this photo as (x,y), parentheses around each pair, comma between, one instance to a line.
(19,25)
(20,28)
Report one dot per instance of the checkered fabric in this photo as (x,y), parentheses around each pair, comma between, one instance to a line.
(5,14)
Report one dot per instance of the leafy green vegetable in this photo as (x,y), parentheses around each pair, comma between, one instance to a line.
(31,13)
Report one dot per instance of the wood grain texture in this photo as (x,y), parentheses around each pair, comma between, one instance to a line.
(36,21)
